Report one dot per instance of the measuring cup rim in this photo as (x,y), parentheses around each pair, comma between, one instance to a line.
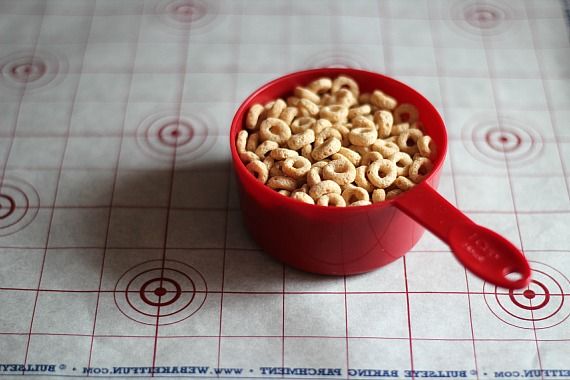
(237,125)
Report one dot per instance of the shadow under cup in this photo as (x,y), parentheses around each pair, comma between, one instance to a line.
(332,240)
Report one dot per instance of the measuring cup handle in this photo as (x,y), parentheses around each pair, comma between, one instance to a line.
(482,251)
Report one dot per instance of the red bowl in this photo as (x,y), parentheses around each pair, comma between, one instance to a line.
(332,240)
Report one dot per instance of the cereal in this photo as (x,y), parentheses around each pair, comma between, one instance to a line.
(266,147)
(331,199)
(341,171)
(420,168)
(335,113)
(326,149)
(281,154)
(355,194)
(329,145)
(301,139)
(282,183)
(303,93)
(275,130)
(253,116)
(303,197)
(296,167)
(324,187)
(381,173)
(259,170)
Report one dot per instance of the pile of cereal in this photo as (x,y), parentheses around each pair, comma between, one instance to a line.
(332,146)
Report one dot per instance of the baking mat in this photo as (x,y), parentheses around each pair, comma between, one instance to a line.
(121,246)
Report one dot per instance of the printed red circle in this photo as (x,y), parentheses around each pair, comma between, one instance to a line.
(19,205)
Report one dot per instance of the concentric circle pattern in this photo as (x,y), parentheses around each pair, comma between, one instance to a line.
(19,203)
(165,136)
(544,303)
(164,293)
(30,70)
(186,14)
(491,141)
(488,18)
(336,59)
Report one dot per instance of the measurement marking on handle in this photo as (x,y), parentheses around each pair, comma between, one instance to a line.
(480,249)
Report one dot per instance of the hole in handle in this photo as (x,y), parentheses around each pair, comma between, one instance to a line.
(513,275)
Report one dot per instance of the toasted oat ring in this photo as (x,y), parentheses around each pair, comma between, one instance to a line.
(398,129)
(314,176)
(281,154)
(361,179)
(304,93)
(378,195)
(265,147)
(426,146)
(335,113)
(362,110)
(302,189)
(364,98)
(419,169)
(253,116)
(362,150)
(360,203)
(259,170)
(332,199)
(381,173)
(296,167)
(301,139)
(325,134)
(320,85)
(275,130)
(289,114)
(241,141)
(341,82)
(331,146)
(248,157)
(402,161)
(327,99)
(370,157)
(324,187)
(404,183)
(320,125)
(302,124)
(274,109)
(385,148)
(269,162)
(341,171)
(293,101)
(411,135)
(252,142)
(282,183)
(345,98)
(348,154)
(384,122)
(275,170)
(405,113)
(355,194)
(383,101)
(303,197)
(363,136)
(306,152)
(393,193)
(284,192)
(362,122)
(308,108)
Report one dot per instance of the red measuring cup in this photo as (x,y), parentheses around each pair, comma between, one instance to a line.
(350,240)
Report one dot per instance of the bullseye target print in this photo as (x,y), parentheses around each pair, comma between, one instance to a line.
(164,293)
(30,69)
(19,204)
(477,18)
(165,135)
(494,141)
(544,303)
(186,14)
(339,59)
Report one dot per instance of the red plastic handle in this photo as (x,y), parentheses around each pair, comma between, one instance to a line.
(482,251)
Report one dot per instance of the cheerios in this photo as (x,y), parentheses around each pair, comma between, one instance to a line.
(324,187)
(419,169)
(426,146)
(281,154)
(296,167)
(345,82)
(282,183)
(241,141)
(402,161)
(334,113)
(381,173)
(370,157)
(275,130)
(304,93)
(361,180)
(403,183)
(301,124)
(383,101)
(378,195)
(253,116)
(327,148)
(320,85)
(341,171)
(355,194)
(259,170)
(303,197)
(405,113)
(332,199)
(265,147)
(363,136)
(408,140)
